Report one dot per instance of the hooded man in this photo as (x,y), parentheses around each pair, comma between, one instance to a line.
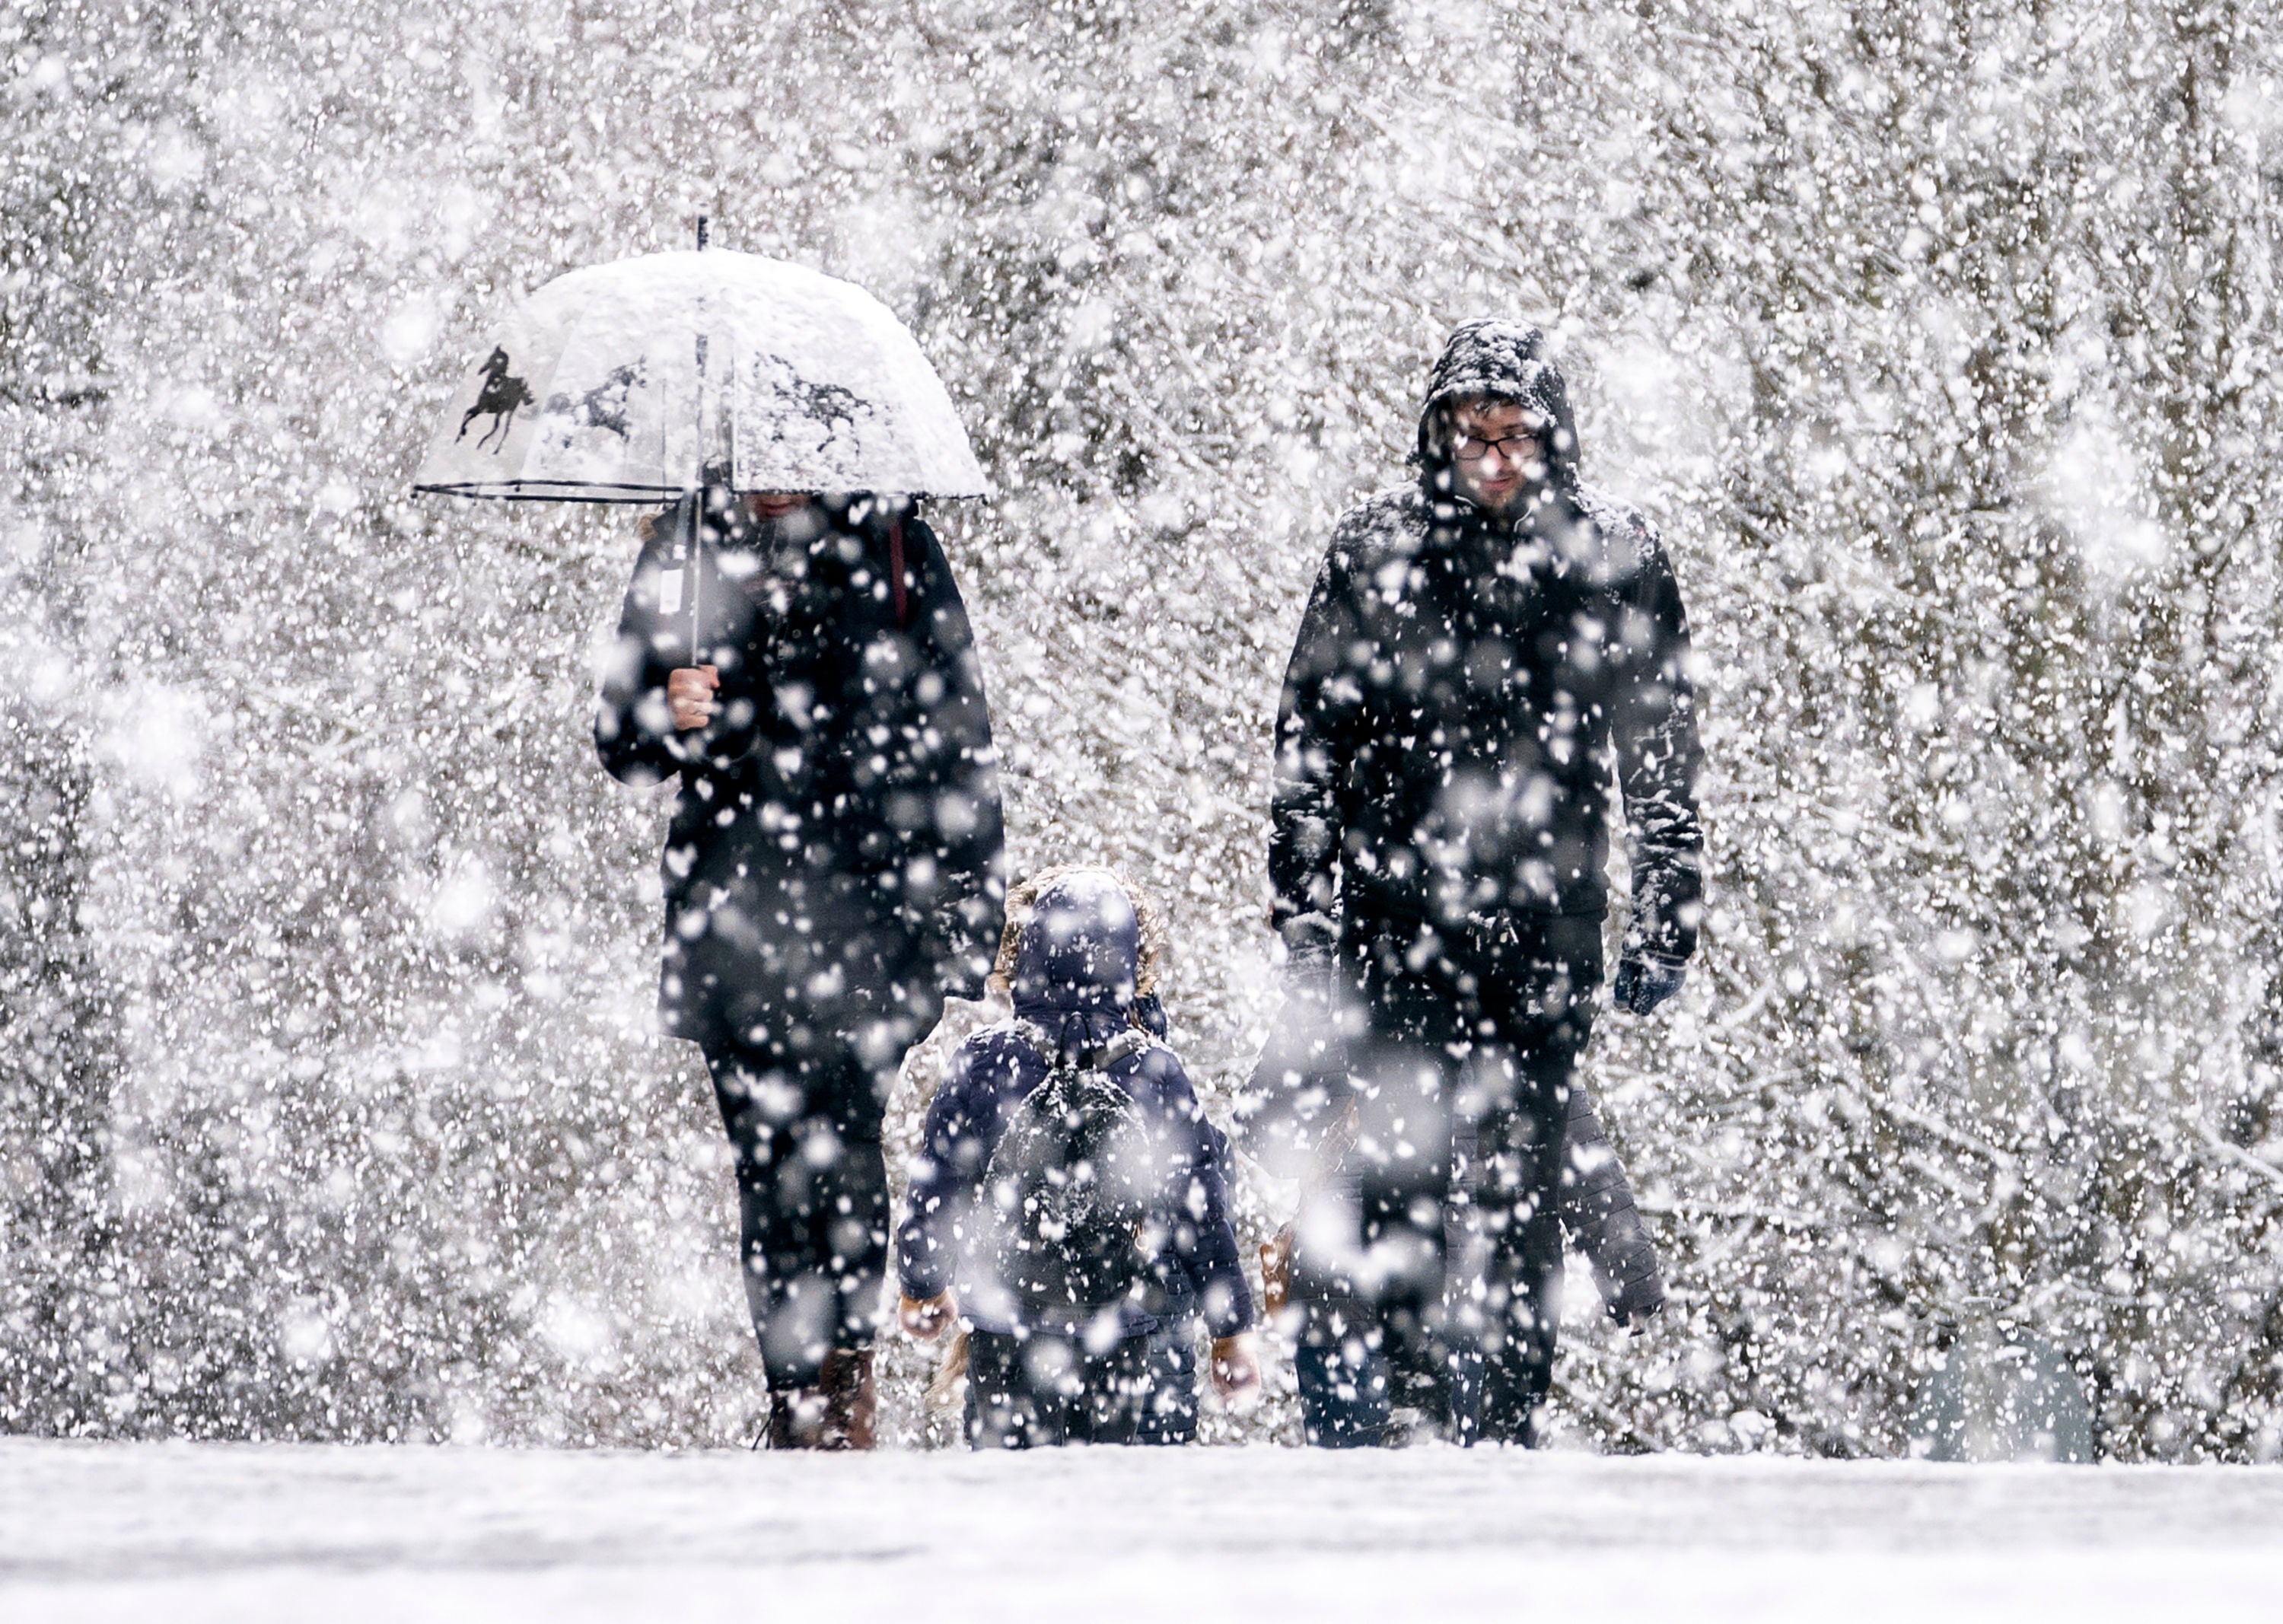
(1482,654)
(831,874)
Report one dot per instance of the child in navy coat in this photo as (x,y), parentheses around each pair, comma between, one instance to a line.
(1110,1373)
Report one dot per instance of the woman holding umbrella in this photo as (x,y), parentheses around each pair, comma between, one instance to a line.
(831,872)
(793,651)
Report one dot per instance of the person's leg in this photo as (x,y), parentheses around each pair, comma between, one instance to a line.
(757,1144)
(1419,1007)
(1521,1304)
(1345,1401)
(1002,1411)
(1527,1079)
(1466,1271)
(1369,1259)
(1053,1371)
(1169,1405)
(837,1201)
(833,1200)
(1462,1390)
(813,1210)
(1113,1395)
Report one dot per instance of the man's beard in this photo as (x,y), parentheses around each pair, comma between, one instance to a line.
(1510,506)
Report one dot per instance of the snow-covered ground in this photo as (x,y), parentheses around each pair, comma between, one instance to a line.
(179,1534)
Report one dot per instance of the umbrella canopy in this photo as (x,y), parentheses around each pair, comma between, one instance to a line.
(650,378)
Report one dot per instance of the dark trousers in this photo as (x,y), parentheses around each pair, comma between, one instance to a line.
(1349,1390)
(1040,1388)
(1169,1408)
(1461,1080)
(804,1121)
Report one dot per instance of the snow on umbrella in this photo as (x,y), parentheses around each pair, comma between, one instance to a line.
(658,377)
(651,378)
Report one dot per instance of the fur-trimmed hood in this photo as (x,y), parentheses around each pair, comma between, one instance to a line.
(1023,897)
(1081,950)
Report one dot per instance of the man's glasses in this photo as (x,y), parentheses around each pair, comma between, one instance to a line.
(1522,447)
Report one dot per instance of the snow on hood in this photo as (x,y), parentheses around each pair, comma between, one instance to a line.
(1490,356)
(1081,949)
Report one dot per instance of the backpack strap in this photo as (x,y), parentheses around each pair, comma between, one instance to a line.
(1132,1041)
(1099,1058)
(896,573)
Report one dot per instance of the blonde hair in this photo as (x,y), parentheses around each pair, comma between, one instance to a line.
(1022,897)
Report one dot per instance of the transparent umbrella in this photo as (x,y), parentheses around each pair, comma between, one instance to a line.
(660,378)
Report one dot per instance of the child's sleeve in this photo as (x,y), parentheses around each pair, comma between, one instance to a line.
(1204,1238)
(944,1175)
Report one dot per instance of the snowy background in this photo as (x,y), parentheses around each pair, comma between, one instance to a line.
(1940,340)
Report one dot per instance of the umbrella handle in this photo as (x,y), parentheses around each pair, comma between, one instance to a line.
(693,542)
(696,575)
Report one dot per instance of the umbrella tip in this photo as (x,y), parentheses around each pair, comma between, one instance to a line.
(701,233)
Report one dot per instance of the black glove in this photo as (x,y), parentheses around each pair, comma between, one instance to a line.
(1645,979)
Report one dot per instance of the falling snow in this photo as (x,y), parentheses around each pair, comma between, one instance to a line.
(1938,343)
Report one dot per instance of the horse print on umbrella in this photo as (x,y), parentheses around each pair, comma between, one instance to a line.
(498,399)
(606,406)
(834,414)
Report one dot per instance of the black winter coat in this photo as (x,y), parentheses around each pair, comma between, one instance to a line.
(1464,690)
(835,855)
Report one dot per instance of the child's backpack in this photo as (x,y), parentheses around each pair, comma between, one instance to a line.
(1072,1184)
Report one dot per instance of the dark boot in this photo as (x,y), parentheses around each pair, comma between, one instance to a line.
(836,1414)
(851,1401)
(795,1418)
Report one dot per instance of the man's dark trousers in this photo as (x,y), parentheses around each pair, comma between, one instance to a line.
(1472,1036)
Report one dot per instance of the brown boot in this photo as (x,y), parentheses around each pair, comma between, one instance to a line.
(796,1419)
(851,1401)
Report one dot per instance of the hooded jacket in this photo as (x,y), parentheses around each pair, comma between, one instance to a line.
(835,850)
(1074,983)
(1464,688)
